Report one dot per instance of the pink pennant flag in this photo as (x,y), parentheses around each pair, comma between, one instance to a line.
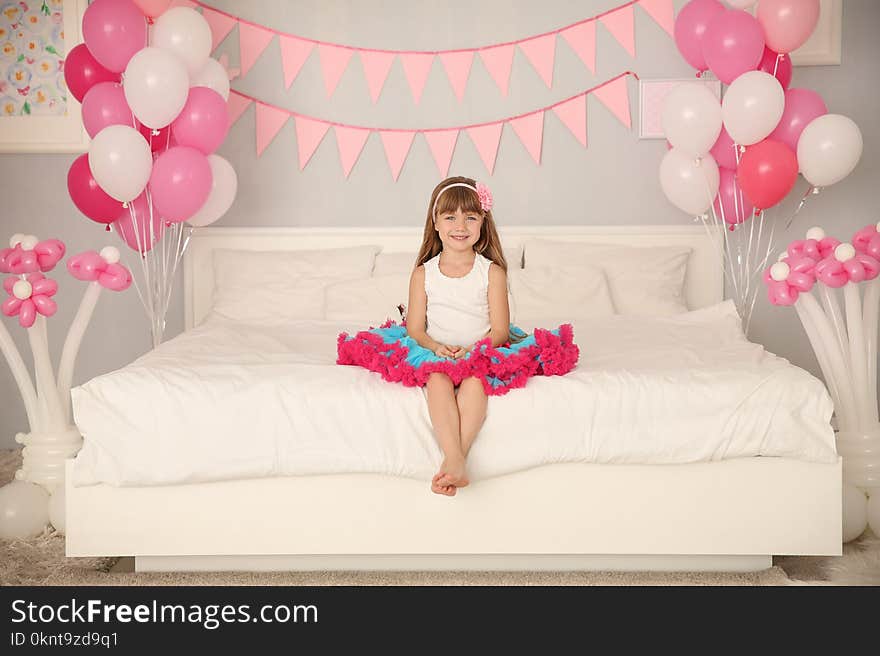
(442,144)
(309,133)
(416,65)
(350,142)
(376,66)
(397,145)
(294,53)
(221,25)
(486,138)
(661,11)
(574,114)
(582,39)
(498,62)
(530,130)
(184,3)
(540,51)
(333,63)
(235,106)
(252,41)
(269,122)
(620,23)
(615,97)
(458,68)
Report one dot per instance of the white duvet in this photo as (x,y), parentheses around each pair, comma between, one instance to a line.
(229,400)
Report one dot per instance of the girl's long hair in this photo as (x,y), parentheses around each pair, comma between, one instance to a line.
(488,245)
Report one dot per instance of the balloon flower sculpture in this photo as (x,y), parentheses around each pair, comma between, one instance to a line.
(732,160)
(24,504)
(154,104)
(845,343)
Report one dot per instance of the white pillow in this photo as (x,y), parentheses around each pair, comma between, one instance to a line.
(279,286)
(405,262)
(643,280)
(371,300)
(559,294)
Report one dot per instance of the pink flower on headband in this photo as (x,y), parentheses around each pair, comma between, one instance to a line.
(485,196)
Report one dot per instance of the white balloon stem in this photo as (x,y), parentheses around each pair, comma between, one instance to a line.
(858,365)
(21,376)
(833,311)
(871,311)
(72,343)
(47,390)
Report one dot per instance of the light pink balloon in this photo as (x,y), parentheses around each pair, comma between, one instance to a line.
(733,44)
(731,203)
(203,122)
(152,8)
(724,151)
(801,107)
(690,28)
(104,104)
(113,31)
(787,23)
(136,231)
(180,183)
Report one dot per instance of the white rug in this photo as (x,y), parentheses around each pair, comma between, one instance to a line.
(41,561)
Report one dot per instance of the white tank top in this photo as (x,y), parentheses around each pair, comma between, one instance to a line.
(458,308)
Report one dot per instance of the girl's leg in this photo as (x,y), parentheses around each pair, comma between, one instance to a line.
(472,401)
(444,418)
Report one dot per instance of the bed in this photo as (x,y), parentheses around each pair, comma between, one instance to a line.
(676,444)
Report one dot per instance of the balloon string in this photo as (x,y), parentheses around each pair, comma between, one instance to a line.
(776,65)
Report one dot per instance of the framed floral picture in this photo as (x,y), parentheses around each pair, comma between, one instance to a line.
(37,114)
(651,96)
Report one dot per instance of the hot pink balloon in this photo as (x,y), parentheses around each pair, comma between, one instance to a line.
(87,194)
(733,44)
(801,107)
(136,231)
(152,8)
(724,151)
(180,183)
(690,28)
(113,31)
(767,172)
(203,122)
(778,65)
(787,23)
(82,72)
(160,142)
(104,105)
(731,203)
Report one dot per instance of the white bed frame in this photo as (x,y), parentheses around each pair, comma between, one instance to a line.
(731,515)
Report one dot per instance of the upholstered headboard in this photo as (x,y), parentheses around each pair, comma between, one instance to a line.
(703,285)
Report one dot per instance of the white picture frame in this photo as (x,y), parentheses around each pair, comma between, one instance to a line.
(824,45)
(651,95)
(51,134)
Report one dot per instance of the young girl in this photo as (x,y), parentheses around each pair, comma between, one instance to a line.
(457,340)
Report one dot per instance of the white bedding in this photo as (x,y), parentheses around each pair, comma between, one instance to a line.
(229,400)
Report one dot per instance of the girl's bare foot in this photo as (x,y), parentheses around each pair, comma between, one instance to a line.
(452,472)
(442,488)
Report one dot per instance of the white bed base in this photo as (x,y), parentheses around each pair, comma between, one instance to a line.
(731,515)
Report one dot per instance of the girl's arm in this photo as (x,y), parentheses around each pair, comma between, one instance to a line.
(499,310)
(416,321)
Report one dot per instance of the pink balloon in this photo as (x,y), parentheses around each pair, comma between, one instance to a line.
(87,194)
(778,65)
(152,8)
(180,183)
(767,172)
(135,231)
(161,142)
(801,107)
(731,203)
(203,122)
(724,151)
(787,23)
(104,105)
(733,44)
(82,72)
(690,28)
(113,31)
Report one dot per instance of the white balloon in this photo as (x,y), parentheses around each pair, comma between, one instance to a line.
(156,85)
(185,33)
(873,511)
(855,512)
(752,107)
(121,161)
(829,149)
(691,118)
(689,183)
(224,185)
(24,510)
(213,76)
(58,509)
(741,4)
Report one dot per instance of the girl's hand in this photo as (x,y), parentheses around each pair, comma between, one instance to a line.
(462,351)
(446,351)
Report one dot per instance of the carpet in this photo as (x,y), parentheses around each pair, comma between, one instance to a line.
(41,561)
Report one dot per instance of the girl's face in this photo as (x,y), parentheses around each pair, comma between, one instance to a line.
(458,230)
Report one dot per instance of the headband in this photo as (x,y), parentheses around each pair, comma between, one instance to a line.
(481,190)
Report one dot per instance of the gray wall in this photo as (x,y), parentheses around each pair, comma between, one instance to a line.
(614,180)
